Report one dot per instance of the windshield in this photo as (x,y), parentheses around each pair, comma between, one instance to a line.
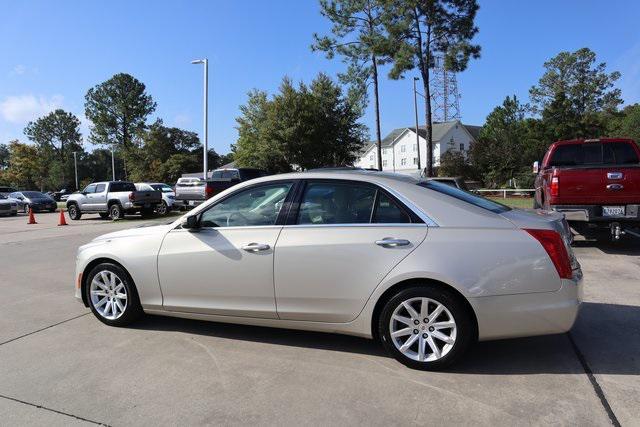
(162,187)
(465,196)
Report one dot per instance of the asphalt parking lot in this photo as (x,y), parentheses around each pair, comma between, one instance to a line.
(60,366)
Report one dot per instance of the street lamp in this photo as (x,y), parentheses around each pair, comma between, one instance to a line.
(415,107)
(206,110)
(75,165)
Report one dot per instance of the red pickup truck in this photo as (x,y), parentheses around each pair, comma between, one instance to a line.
(594,182)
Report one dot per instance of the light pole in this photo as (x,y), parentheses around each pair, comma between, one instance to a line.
(415,107)
(206,111)
(75,166)
(113,165)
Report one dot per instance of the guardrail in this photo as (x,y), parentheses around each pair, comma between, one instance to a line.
(513,192)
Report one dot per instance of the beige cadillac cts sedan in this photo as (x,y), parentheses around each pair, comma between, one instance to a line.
(425,268)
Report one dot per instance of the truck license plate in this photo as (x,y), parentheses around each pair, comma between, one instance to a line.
(613,211)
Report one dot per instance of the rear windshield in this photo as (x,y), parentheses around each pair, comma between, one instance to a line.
(610,153)
(465,196)
(122,186)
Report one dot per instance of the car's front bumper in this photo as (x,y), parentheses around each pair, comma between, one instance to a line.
(521,315)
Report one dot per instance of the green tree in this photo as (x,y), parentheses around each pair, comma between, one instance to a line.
(4,156)
(358,35)
(25,168)
(118,109)
(585,84)
(304,127)
(421,31)
(56,135)
(506,145)
(455,163)
(626,124)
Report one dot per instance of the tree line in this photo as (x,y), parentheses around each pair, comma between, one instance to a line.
(575,98)
(118,110)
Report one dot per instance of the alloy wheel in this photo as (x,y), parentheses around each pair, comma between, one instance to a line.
(108,295)
(423,329)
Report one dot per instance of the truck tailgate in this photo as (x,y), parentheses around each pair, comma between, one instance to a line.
(600,185)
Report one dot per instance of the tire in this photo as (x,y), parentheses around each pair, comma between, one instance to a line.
(423,335)
(14,213)
(162,209)
(116,212)
(112,295)
(74,211)
(104,215)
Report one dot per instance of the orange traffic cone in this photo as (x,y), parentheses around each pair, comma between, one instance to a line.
(62,221)
(32,218)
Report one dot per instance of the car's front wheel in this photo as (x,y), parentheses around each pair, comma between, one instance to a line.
(426,327)
(74,212)
(112,295)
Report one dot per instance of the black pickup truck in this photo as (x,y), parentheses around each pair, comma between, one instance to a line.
(192,192)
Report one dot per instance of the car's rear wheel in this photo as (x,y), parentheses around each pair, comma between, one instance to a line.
(162,208)
(426,327)
(112,295)
(74,212)
(116,212)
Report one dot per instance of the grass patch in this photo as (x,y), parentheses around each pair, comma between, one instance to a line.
(514,202)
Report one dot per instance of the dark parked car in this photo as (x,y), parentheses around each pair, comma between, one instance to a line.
(35,200)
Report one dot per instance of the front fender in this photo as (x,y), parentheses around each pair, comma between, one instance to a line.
(138,256)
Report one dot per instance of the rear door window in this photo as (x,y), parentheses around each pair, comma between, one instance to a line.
(122,186)
(336,203)
(387,211)
(100,188)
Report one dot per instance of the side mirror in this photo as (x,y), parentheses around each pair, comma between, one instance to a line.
(189,222)
(536,167)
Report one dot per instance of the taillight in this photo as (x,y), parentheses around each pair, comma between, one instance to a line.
(552,242)
(208,192)
(555,184)
(132,196)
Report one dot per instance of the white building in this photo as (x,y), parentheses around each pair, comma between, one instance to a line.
(399,148)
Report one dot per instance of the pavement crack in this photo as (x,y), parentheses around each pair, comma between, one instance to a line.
(52,410)
(42,329)
(594,383)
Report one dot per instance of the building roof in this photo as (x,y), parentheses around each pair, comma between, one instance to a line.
(439,131)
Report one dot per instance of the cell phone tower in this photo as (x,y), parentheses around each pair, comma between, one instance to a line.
(445,98)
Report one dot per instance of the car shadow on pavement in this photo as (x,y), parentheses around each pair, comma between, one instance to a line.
(629,246)
(606,335)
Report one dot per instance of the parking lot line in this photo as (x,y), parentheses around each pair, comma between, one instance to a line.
(52,410)
(43,329)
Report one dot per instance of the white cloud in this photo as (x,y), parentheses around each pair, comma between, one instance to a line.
(19,70)
(23,108)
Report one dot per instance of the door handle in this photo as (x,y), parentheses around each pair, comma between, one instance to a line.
(255,247)
(392,243)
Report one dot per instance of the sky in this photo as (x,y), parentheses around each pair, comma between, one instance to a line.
(51,53)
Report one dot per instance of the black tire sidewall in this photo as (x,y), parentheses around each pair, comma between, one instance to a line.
(133,310)
(112,211)
(71,209)
(164,207)
(466,329)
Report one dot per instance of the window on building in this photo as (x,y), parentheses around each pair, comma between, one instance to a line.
(403,162)
(403,148)
(384,163)
(371,157)
(461,146)
(415,160)
(415,147)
